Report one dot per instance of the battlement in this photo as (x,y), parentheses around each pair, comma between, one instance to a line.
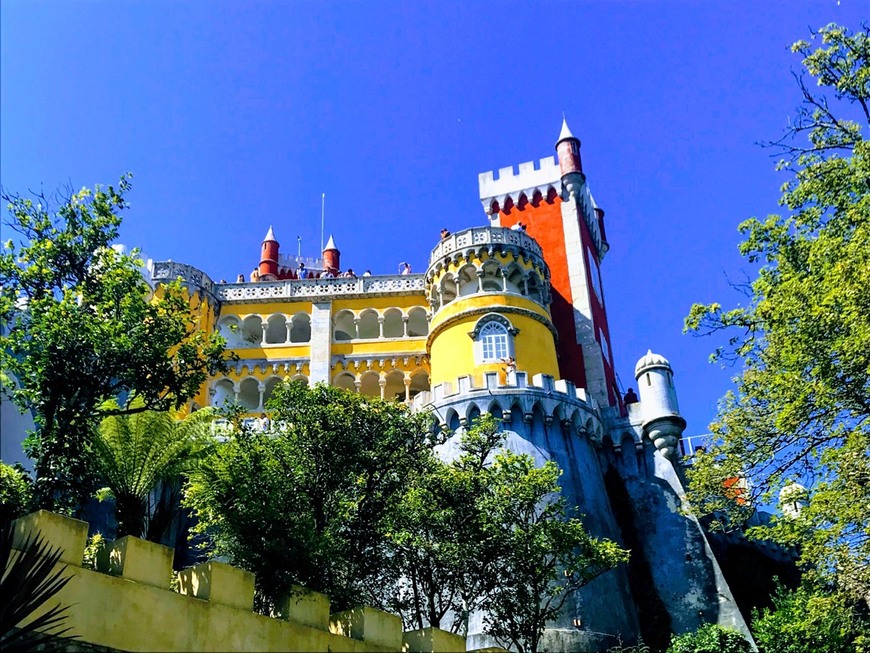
(558,400)
(127,604)
(526,179)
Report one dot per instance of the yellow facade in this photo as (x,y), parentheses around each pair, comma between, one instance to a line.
(386,336)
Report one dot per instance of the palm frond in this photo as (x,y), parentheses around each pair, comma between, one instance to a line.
(28,581)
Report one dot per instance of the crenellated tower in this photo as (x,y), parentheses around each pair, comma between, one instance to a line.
(553,203)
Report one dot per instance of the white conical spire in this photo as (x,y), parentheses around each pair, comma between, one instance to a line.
(270,235)
(566,132)
(330,244)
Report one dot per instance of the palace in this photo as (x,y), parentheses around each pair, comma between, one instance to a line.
(509,318)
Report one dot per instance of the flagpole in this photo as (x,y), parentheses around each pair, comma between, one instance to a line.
(322,219)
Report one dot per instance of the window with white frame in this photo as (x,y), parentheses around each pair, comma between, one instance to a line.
(493,337)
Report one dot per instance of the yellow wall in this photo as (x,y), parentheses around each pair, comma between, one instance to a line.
(129,606)
(492,300)
(392,347)
(452,350)
(266,308)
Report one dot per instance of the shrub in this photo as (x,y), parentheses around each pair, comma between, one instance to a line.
(15,493)
(710,638)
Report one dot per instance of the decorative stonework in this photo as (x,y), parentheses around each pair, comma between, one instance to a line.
(194,279)
(472,240)
(302,289)
(526,181)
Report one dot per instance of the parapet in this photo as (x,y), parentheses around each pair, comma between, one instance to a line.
(127,604)
(526,180)
(503,395)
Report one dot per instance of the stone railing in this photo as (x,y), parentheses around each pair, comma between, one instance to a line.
(309,289)
(483,236)
(193,278)
(127,604)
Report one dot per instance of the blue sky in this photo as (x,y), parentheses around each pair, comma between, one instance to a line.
(234,116)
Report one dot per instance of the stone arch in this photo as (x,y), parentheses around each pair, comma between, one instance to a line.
(345,381)
(492,279)
(252,331)
(472,414)
(534,287)
(514,274)
(467,280)
(271,383)
(448,288)
(276,329)
(223,392)
(368,326)
(344,326)
(394,390)
(370,384)
(249,393)
(495,410)
(300,329)
(452,420)
(552,194)
(300,378)
(418,324)
(517,417)
(230,328)
(538,426)
(419,382)
(394,325)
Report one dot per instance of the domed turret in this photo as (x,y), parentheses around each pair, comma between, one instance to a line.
(658,398)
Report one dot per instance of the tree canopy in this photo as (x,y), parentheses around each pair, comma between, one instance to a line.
(308,502)
(800,412)
(83,327)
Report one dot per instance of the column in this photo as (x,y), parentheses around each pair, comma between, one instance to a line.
(405,320)
(321,342)
(480,281)
(264,326)
(380,326)
(382,382)
(289,326)
(407,388)
(262,391)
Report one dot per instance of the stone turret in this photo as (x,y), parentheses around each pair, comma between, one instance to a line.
(662,421)
(568,149)
(269,257)
(331,256)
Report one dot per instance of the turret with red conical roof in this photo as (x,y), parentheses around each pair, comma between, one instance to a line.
(269,256)
(331,257)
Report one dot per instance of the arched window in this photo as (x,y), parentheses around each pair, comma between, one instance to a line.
(493,338)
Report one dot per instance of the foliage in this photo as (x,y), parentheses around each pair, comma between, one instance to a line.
(94,548)
(135,453)
(29,580)
(15,493)
(83,327)
(441,553)
(640,647)
(710,638)
(308,503)
(809,620)
(801,409)
(545,555)
(487,531)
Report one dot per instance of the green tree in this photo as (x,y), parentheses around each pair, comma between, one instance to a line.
(811,620)
(443,552)
(16,493)
(710,638)
(309,503)
(545,554)
(801,408)
(83,327)
(136,453)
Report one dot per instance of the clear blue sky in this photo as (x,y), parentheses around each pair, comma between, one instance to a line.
(234,116)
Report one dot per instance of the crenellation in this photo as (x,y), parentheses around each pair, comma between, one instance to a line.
(369,625)
(218,582)
(68,534)
(528,178)
(212,611)
(137,560)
